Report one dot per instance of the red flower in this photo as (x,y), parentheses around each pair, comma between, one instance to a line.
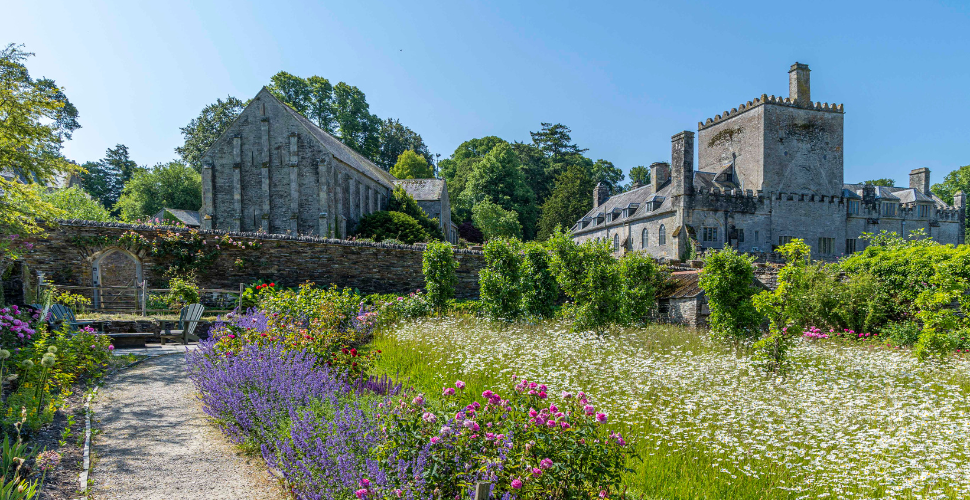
(354,364)
(353,352)
(344,350)
(272,284)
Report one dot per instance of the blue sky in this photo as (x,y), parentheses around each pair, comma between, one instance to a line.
(625,76)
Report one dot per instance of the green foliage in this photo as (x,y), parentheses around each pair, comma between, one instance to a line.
(885,182)
(569,201)
(787,307)
(640,174)
(401,201)
(728,281)
(604,172)
(385,224)
(956,180)
(942,309)
(106,178)
(639,272)
(501,279)
(395,139)
(203,130)
(498,179)
(411,165)
(36,119)
(901,333)
(438,265)
(71,203)
(495,221)
(538,285)
(590,276)
(172,185)
(182,292)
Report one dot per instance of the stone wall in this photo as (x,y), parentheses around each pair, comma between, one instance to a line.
(68,254)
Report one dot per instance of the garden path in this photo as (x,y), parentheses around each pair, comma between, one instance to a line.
(156,443)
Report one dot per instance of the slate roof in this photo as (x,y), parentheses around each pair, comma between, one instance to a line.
(686,285)
(423,189)
(340,150)
(640,199)
(188,217)
(901,194)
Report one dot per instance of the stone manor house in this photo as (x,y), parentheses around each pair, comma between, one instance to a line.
(274,171)
(768,171)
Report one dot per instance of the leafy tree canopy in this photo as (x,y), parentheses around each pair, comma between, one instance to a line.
(411,165)
(105,178)
(495,221)
(568,202)
(640,175)
(74,203)
(957,180)
(35,119)
(885,182)
(203,130)
(396,139)
(605,172)
(170,185)
(404,203)
(385,225)
(497,178)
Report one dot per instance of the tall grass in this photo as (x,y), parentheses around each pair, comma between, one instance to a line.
(852,421)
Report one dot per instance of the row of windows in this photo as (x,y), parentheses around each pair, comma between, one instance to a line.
(826,246)
(889,208)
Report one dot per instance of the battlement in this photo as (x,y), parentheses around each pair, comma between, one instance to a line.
(769,99)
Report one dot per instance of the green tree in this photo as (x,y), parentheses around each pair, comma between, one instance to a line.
(170,185)
(592,279)
(203,130)
(957,180)
(501,278)
(74,203)
(605,172)
(885,182)
(728,281)
(35,119)
(357,127)
(555,143)
(411,165)
(292,90)
(497,178)
(495,221)
(106,178)
(438,266)
(638,271)
(640,175)
(537,170)
(395,139)
(539,289)
(569,201)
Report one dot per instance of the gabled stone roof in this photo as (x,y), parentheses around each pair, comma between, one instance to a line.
(423,189)
(340,150)
(900,194)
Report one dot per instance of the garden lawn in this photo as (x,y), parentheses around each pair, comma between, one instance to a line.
(850,421)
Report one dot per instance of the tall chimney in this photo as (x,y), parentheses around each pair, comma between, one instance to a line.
(920,179)
(659,174)
(799,86)
(682,162)
(601,193)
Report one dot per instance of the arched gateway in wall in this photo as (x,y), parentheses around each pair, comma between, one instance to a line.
(116,275)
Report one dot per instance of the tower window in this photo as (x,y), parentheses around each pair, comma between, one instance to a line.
(662,235)
(709,234)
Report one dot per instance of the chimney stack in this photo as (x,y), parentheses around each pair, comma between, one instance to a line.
(659,174)
(601,193)
(920,179)
(682,162)
(799,86)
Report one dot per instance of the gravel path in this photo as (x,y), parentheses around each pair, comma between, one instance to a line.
(156,443)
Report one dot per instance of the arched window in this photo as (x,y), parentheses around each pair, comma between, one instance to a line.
(616,243)
(662,235)
(643,238)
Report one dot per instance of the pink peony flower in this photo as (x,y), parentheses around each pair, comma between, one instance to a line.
(601,418)
(546,463)
(517,483)
(459,384)
(448,391)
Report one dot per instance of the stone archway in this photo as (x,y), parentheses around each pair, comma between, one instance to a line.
(117,275)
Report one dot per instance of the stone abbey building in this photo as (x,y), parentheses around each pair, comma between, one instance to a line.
(274,171)
(768,171)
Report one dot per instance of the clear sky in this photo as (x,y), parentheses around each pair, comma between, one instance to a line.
(625,76)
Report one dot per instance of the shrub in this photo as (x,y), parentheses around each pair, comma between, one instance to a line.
(470,233)
(728,281)
(901,333)
(385,225)
(182,292)
(539,290)
(501,279)
(639,272)
(590,276)
(438,265)
(495,221)
(401,201)
(943,324)
(786,307)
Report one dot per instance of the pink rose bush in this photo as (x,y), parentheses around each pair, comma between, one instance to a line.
(524,444)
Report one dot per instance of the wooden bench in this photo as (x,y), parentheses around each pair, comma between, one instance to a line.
(130,339)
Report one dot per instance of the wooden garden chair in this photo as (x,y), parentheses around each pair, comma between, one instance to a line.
(64,315)
(188,319)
